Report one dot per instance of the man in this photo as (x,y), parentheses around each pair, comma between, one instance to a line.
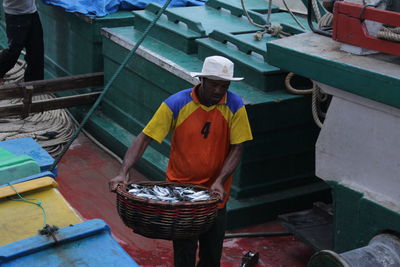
(209,125)
(24,30)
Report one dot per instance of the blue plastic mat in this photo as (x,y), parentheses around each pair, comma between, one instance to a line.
(29,147)
(85,244)
(28,178)
(100,8)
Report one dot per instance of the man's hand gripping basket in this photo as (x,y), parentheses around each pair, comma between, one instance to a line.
(166,220)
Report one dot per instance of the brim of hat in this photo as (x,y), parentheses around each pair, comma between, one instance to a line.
(218,78)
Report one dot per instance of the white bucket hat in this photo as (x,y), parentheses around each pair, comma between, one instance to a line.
(217,68)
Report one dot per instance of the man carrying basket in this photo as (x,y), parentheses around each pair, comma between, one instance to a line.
(209,125)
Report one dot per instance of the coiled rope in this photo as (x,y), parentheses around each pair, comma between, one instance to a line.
(16,73)
(51,129)
(389,33)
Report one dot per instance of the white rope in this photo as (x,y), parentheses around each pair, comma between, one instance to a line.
(16,73)
(51,129)
(315,7)
(249,18)
(40,125)
(315,107)
(293,16)
(273,30)
(390,34)
(325,21)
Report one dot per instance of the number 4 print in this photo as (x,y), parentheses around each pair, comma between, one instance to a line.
(206,129)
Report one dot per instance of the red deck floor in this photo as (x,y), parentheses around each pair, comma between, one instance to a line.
(83,175)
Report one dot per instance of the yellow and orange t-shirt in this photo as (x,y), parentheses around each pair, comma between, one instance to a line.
(201,135)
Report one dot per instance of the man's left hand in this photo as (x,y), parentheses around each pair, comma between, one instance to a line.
(218,188)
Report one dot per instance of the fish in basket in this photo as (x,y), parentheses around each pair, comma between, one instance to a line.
(166,210)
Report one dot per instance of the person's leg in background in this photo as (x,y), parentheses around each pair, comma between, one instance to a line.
(17,28)
(212,241)
(34,50)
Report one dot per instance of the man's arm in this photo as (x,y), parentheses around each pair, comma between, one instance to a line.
(230,164)
(134,153)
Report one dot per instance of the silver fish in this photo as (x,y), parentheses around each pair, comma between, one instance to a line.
(168,194)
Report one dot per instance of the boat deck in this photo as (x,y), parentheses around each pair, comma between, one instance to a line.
(376,76)
(83,175)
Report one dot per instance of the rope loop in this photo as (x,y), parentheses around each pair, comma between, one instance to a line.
(318,97)
(275,30)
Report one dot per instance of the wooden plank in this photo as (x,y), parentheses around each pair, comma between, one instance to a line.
(45,105)
(16,90)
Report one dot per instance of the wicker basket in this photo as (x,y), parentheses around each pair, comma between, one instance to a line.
(166,220)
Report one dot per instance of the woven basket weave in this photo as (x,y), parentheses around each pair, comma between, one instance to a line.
(166,220)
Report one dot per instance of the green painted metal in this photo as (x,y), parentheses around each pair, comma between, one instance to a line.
(358,219)
(288,23)
(376,77)
(246,43)
(118,139)
(3,39)
(283,137)
(248,54)
(14,167)
(4,154)
(236,5)
(3,36)
(253,210)
(109,83)
(73,42)
(181,26)
(257,72)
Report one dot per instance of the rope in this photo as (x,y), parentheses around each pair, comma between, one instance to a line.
(110,82)
(291,89)
(51,129)
(317,98)
(249,18)
(390,34)
(395,29)
(273,30)
(16,73)
(325,21)
(315,7)
(293,16)
(33,201)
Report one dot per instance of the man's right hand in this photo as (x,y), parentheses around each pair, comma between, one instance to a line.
(113,183)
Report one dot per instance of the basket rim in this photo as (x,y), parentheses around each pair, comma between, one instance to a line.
(121,191)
